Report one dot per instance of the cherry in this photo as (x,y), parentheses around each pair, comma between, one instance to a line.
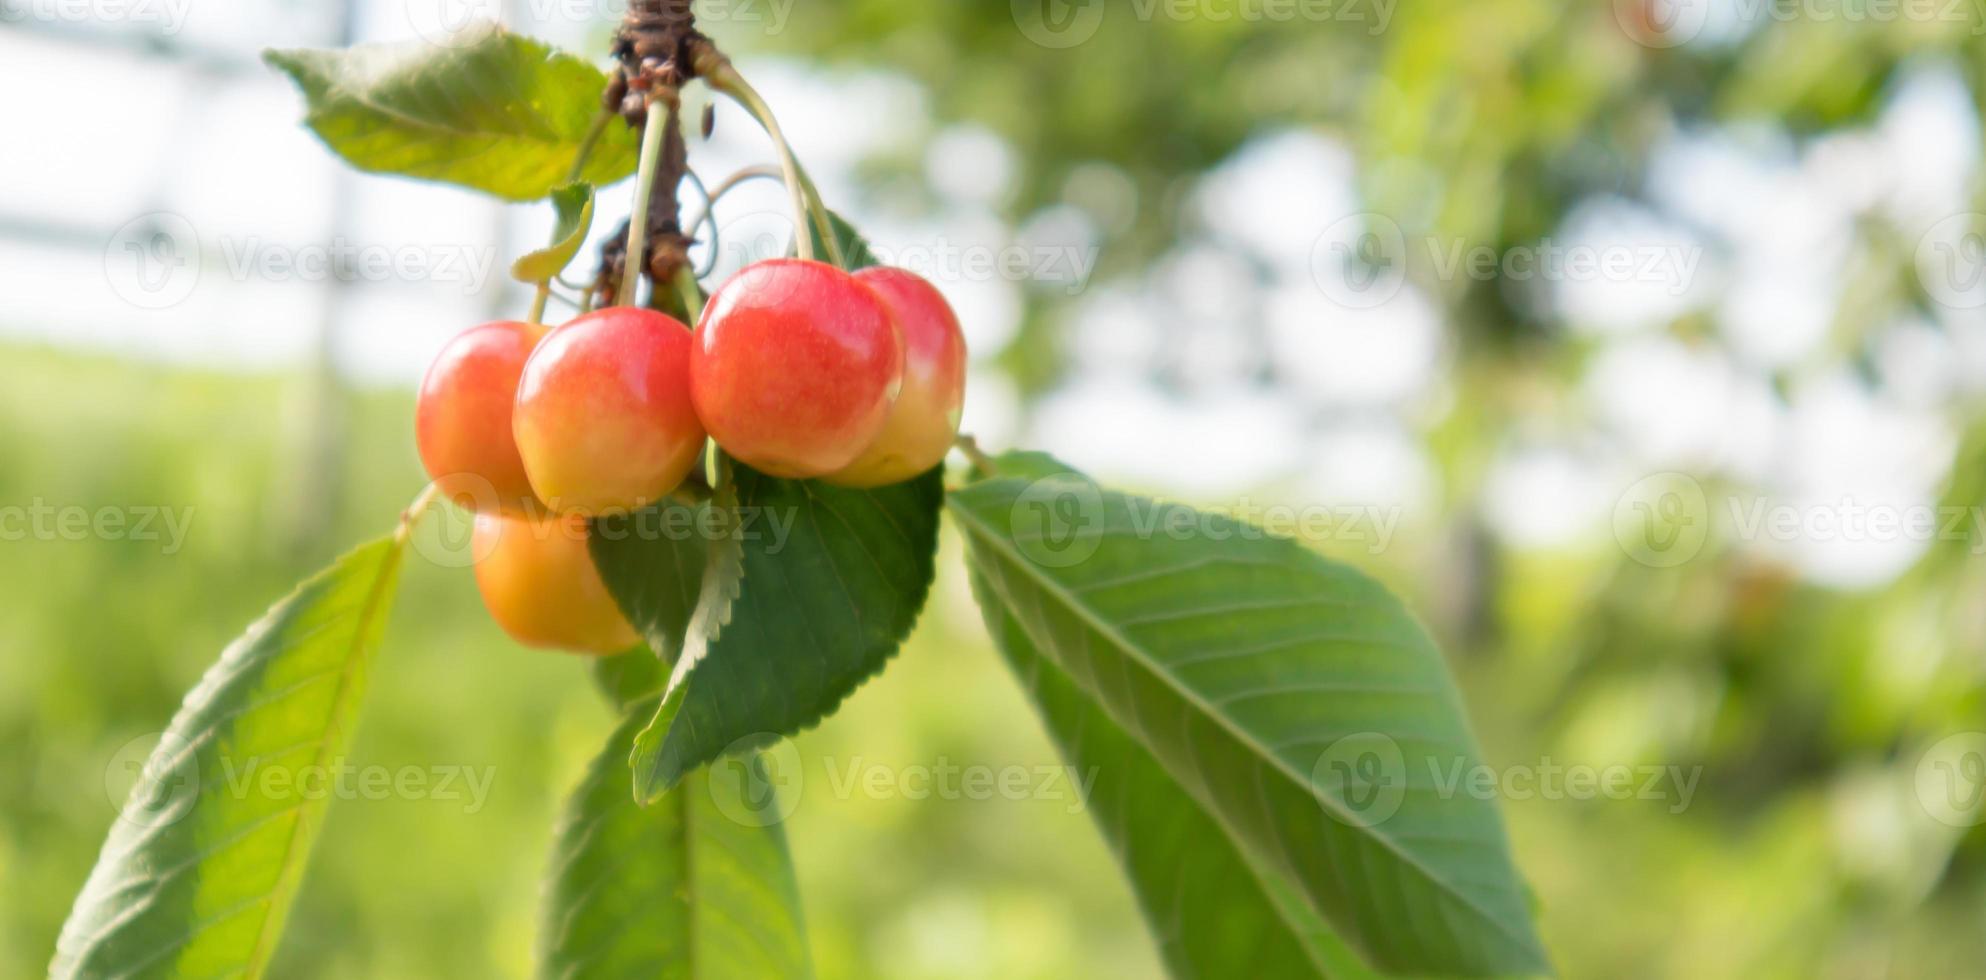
(925,419)
(604,421)
(462,418)
(795,367)
(539,583)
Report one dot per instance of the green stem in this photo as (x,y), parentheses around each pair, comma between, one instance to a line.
(538,302)
(651,152)
(979,460)
(692,295)
(415,511)
(711,197)
(806,199)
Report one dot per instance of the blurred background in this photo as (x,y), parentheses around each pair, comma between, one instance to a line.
(1641,346)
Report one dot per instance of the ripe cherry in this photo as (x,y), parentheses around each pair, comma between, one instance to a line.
(462,419)
(925,419)
(795,367)
(539,583)
(604,421)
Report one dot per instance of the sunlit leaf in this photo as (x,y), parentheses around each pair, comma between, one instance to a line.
(1212,911)
(201,867)
(698,886)
(628,677)
(1292,697)
(808,593)
(496,112)
(574,206)
(653,562)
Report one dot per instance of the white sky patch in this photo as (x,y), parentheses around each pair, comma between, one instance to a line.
(1333,355)
(1067,237)
(1930,129)
(1667,404)
(1547,497)
(1205,297)
(992,409)
(1918,364)
(1849,455)
(1277,194)
(1668,269)
(81,169)
(1126,429)
(1377,464)
(1114,331)
(970,165)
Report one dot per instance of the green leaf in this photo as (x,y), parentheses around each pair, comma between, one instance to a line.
(497,113)
(200,869)
(810,592)
(629,677)
(854,248)
(1292,697)
(574,204)
(1213,912)
(698,886)
(652,562)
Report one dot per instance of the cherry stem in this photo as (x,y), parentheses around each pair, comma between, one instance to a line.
(806,199)
(755,172)
(415,511)
(538,302)
(692,295)
(651,153)
(712,196)
(980,461)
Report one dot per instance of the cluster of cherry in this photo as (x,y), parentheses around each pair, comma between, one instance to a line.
(796,368)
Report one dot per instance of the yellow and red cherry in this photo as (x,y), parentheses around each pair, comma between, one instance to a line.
(604,422)
(924,421)
(539,583)
(795,367)
(462,420)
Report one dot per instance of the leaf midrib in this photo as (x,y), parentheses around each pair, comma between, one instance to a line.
(1039,662)
(991,536)
(375,596)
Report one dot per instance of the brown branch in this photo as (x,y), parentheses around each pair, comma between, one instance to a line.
(659,50)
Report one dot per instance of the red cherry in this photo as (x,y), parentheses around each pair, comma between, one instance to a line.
(795,367)
(539,583)
(463,415)
(925,420)
(604,421)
